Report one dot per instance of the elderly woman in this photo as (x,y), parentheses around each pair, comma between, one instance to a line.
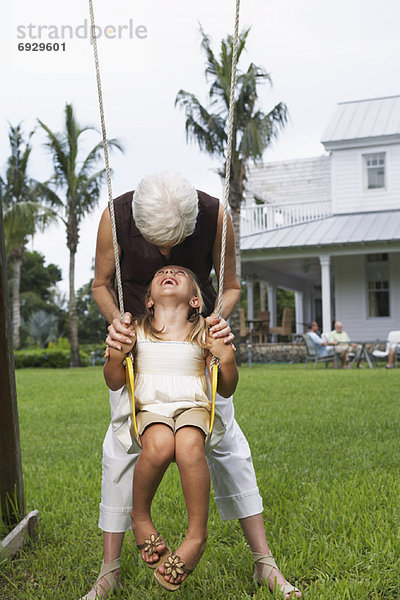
(166,221)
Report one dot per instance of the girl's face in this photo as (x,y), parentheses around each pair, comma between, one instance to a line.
(172,281)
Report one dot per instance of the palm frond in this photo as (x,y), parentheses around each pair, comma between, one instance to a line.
(47,195)
(57,147)
(203,127)
(96,154)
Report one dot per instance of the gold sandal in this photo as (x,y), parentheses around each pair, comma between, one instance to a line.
(150,546)
(174,566)
(268,562)
(106,572)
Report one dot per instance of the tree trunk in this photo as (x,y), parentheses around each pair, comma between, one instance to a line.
(11,482)
(16,301)
(73,319)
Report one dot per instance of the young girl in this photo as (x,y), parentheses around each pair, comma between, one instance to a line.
(172,397)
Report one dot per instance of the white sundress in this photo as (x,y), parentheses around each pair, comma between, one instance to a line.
(169,376)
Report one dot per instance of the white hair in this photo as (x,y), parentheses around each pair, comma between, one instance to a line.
(165,208)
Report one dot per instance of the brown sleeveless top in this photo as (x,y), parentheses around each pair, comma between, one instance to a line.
(140,259)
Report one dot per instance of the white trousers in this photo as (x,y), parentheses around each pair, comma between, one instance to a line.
(231,469)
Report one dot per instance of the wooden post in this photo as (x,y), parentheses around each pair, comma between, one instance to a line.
(11,483)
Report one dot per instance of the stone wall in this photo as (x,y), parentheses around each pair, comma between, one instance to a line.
(285,352)
(274,352)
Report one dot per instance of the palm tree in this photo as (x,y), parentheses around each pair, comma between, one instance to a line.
(81,183)
(43,328)
(23,214)
(253,130)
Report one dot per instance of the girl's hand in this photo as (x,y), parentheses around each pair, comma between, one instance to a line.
(219,348)
(219,328)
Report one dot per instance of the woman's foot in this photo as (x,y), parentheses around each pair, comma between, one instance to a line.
(190,552)
(275,578)
(149,541)
(101,588)
(107,582)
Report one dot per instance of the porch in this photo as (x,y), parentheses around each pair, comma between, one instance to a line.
(323,261)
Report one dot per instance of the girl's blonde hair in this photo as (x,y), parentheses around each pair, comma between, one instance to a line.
(198,332)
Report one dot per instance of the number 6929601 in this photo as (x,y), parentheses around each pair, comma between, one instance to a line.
(41,47)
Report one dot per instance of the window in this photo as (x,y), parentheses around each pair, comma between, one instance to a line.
(378,285)
(375,170)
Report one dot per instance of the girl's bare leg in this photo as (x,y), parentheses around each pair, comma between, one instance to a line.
(195,479)
(158,448)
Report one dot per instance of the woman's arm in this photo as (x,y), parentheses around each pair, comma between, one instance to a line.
(228,375)
(103,285)
(231,292)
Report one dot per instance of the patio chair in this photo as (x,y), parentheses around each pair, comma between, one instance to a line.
(261,329)
(392,339)
(250,335)
(286,327)
(312,355)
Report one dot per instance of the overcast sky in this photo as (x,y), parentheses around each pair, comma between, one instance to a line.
(318,53)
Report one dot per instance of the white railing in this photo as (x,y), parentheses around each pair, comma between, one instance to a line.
(263,217)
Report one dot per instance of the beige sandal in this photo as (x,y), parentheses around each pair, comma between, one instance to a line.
(150,546)
(268,562)
(174,566)
(106,572)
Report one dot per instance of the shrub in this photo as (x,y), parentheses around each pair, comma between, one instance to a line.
(46,358)
(62,343)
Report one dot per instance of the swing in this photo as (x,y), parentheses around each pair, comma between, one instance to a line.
(129,372)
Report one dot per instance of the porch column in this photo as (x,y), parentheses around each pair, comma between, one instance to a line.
(272,304)
(307,306)
(325,261)
(250,301)
(262,296)
(298,307)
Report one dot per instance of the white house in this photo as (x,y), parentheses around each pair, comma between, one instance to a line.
(329,227)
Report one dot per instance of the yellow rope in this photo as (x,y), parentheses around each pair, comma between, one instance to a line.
(130,385)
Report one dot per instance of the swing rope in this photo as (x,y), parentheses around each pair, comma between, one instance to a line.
(228,158)
(214,362)
(107,162)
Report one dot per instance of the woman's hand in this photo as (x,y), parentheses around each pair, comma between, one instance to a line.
(219,328)
(120,332)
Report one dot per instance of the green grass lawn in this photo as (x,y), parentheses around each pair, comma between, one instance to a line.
(325,446)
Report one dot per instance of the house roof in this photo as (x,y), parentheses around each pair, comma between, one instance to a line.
(382,226)
(297,180)
(364,119)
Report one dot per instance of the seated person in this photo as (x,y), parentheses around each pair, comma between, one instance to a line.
(392,352)
(340,340)
(321,347)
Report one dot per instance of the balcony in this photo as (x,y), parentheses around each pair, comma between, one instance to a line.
(265,217)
